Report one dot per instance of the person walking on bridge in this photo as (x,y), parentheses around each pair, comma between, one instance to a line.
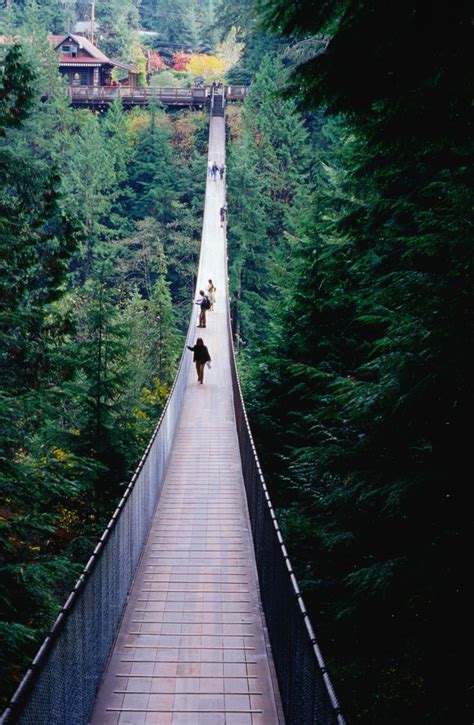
(211,293)
(204,302)
(222,171)
(201,357)
(223,214)
(215,169)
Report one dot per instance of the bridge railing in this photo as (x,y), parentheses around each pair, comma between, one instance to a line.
(61,684)
(306,691)
(109,93)
(191,96)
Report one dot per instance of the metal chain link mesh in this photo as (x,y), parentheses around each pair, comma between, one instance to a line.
(305,688)
(61,685)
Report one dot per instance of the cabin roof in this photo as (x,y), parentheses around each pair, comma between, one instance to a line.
(96,55)
(83,43)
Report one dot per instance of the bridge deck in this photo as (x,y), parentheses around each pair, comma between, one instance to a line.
(192,646)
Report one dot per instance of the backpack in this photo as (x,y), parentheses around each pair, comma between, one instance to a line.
(206,302)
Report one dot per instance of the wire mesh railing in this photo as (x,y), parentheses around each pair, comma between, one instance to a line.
(61,684)
(306,691)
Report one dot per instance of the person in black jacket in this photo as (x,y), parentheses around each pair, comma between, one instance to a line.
(201,357)
(204,303)
(223,214)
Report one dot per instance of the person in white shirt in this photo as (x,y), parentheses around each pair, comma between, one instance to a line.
(211,293)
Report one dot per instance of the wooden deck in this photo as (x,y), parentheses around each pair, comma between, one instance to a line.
(192,647)
(102,96)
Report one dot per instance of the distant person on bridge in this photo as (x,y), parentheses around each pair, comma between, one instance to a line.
(215,169)
(211,293)
(223,214)
(222,171)
(201,357)
(209,168)
(204,302)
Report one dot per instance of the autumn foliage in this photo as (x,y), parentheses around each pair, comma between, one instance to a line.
(207,66)
(155,62)
(180,60)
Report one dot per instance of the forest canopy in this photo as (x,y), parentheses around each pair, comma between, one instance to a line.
(99,235)
(352,286)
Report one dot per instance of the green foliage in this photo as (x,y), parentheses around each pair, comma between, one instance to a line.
(240,18)
(268,162)
(188,25)
(118,21)
(172,79)
(152,175)
(403,91)
(88,327)
(360,394)
(32,15)
(16,88)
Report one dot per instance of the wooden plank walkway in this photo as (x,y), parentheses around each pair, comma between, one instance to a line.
(192,647)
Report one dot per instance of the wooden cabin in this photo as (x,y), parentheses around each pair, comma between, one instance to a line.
(83,64)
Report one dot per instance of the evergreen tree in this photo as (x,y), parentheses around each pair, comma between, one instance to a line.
(49,15)
(368,359)
(188,25)
(36,242)
(209,36)
(270,163)
(118,21)
(152,172)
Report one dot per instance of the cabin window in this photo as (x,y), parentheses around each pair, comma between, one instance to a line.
(69,50)
(81,78)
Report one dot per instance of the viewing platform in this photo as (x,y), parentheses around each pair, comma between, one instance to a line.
(102,96)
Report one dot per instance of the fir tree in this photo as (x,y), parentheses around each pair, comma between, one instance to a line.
(373,373)
(269,163)
(152,173)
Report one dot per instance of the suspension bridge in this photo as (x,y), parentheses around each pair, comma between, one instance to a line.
(188,611)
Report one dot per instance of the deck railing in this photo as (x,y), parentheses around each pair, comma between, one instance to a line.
(178,96)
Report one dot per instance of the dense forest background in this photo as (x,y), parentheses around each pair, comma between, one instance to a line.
(100,222)
(350,244)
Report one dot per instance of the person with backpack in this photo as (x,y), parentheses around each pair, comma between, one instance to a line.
(204,302)
(201,357)
(215,169)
